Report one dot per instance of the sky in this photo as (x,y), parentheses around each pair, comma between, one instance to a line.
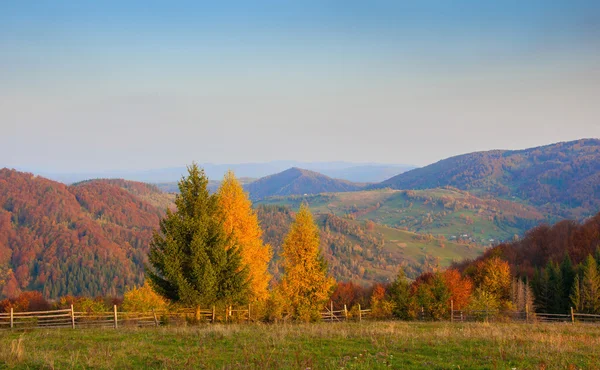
(124,85)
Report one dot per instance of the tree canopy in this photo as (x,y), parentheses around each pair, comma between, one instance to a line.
(192,261)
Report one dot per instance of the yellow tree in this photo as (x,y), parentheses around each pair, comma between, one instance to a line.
(240,221)
(493,275)
(305,285)
(143,299)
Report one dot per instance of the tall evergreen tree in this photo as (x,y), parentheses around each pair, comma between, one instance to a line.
(191,260)
(568,277)
(557,296)
(540,287)
(305,284)
(241,223)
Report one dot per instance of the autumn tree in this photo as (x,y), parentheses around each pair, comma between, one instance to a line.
(305,284)
(142,299)
(381,306)
(521,295)
(460,288)
(493,276)
(241,224)
(432,295)
(590,287)
(192,260)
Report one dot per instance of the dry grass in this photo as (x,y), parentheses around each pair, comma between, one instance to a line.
(368,345)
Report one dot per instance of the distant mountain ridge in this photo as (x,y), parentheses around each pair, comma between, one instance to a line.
(563,178)
(297,181)
(357,172)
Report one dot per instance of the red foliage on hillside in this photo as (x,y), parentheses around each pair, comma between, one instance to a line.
(87,239)
(548,243)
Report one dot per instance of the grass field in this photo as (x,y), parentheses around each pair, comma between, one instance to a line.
(367,345)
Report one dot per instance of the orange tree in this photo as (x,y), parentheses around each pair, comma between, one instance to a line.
(241,224)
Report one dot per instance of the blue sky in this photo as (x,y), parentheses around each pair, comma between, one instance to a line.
(88,86)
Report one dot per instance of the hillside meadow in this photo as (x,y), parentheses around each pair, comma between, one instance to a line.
(366,345)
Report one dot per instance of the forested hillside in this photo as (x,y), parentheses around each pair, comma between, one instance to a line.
(297,181)
(562,178)
(550,244)
(450,212)
(87,239)
(365,252)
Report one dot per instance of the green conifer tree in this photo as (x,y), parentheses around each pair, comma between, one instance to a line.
(191,261)
(399,293)
(568,277)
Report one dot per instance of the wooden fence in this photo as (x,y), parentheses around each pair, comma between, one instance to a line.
(521,316)
(331,315)
(69,318)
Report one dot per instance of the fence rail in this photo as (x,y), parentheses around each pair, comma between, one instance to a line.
(69,318)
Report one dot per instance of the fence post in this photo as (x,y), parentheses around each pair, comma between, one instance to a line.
(115,315)
(331,311)
(214,313)
(359,313)
(422,313)
(11,318)
(526,313)
(248,312)
(451,310)
(572,316)
(345,313)
(155,318)
(197,314)
(72,317)
(226,313)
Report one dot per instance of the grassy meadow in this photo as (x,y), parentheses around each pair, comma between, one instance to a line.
(366,345)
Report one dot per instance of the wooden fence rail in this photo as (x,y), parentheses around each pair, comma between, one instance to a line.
(69,318)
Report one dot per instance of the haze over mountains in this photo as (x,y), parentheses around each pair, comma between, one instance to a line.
(356,172)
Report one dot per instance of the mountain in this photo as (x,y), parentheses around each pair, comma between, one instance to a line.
(297,181)
(86,239)
(358,172)
(562,178)
(448,212)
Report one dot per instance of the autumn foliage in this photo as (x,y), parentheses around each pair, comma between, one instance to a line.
(305,285)
(241,223)
(143,299)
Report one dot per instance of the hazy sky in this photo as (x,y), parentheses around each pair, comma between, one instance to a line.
(101,85)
